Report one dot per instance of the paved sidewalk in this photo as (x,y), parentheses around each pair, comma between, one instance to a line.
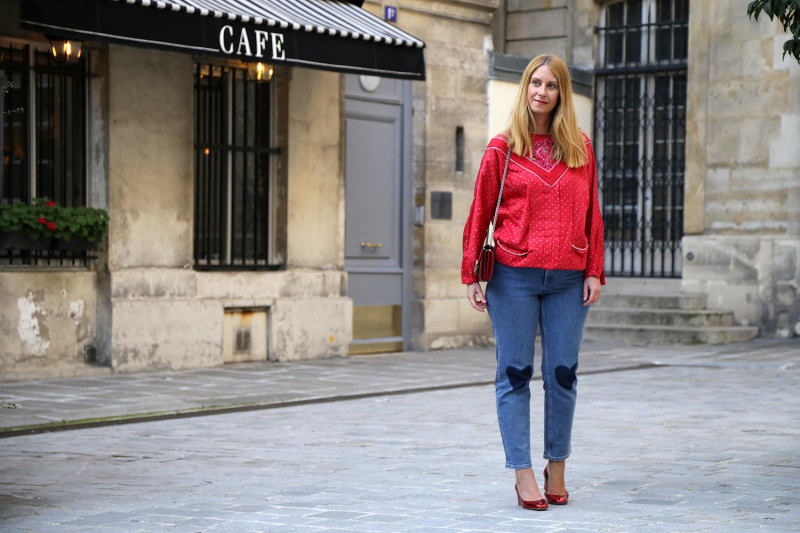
(101,400)
(701,438)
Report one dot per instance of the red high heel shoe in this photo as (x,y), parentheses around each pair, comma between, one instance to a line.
(555,499)
(534,505)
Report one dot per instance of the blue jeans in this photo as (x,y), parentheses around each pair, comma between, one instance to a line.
(519,299)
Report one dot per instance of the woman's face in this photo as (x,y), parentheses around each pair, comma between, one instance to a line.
(542,91)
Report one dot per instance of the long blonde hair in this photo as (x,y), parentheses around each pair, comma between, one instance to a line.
(568,142)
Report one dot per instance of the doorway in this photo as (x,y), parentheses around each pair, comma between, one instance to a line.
(378,196)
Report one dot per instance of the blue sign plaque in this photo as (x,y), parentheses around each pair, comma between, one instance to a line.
(390,14)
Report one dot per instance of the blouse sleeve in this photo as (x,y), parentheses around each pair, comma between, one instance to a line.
(487,187)
(594,224)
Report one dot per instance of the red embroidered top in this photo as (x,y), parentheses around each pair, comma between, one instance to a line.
(549,215)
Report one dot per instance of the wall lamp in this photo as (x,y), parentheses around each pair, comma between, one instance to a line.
(65,51)
(260,72)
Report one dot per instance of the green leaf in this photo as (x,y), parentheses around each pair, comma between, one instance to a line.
(754,9)
(69,221)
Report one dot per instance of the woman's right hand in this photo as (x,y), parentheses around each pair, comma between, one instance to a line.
(476,297)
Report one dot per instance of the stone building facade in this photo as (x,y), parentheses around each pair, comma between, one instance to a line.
(144,304)
(737,206)
(742,243)
(454,99)
(148,300)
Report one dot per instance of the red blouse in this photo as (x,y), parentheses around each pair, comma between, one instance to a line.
(549,215)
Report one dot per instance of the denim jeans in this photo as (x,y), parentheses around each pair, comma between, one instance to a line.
(519,299)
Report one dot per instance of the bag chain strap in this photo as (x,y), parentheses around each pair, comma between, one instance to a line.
(490,235)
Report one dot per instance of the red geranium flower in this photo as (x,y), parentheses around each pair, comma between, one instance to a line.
(42,220)
(51,225)
(50,204)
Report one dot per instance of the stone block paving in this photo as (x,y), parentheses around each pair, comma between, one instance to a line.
(700,439)
(256,385)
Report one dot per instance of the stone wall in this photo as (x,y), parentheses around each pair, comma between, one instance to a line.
(316,173)
(755,276)
(146,308)
(565,28)
(155,322)
(458,93)
(455,94)
(47,320)
(48,316)
(743,168)
(165,315)
(540,25)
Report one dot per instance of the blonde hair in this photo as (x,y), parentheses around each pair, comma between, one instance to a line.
(568,142)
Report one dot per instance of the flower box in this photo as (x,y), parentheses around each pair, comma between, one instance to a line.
(19,240)
(42,225)
(75,244)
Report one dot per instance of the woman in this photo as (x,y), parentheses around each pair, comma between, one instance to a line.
(549,269)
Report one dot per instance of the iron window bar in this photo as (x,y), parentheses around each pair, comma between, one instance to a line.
(640,114)
(44,145)
(233,160)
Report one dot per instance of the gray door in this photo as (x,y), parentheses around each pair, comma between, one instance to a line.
(377,196)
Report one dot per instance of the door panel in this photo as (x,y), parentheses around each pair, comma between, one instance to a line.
(374,234)
(375,288)
(372,226)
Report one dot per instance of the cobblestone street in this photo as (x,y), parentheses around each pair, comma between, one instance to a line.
(687,444)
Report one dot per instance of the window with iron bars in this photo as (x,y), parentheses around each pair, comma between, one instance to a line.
(43,139)
(234,170)
(639,137)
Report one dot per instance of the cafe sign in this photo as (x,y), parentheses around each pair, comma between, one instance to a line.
(257,44)
(337,36)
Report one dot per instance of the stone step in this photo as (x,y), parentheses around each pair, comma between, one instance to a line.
(676,300)
(616,285)
(644,335)
(696,318)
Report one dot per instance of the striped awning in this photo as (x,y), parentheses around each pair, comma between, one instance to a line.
(325,34)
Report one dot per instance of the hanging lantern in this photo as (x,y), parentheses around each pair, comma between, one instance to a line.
(260,72)
(66,51)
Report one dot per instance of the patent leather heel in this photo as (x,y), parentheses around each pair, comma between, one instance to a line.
(533,505)
(555,499)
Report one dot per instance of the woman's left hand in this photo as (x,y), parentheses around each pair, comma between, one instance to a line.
(591,290)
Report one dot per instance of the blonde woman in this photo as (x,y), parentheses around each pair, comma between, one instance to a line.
(549,269)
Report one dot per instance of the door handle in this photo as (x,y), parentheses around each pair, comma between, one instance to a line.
(372,245)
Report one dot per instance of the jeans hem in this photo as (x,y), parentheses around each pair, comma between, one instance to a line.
(555,459)
(519,467)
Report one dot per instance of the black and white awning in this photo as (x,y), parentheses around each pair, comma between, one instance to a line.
(325,34)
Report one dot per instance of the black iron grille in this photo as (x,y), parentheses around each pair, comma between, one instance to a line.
(232,170)
(43,140)
(640,131)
